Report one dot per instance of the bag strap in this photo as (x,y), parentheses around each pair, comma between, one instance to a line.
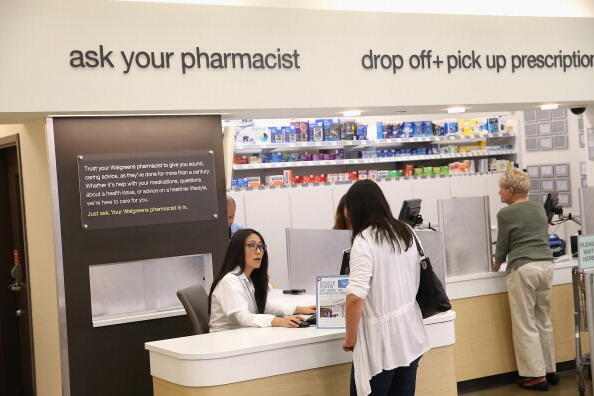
(419,248)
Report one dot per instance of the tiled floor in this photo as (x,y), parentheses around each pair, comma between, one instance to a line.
(567,387)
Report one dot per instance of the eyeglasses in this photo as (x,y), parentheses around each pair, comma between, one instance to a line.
(252,247)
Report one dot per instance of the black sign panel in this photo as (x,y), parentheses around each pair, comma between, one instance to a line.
(123,190)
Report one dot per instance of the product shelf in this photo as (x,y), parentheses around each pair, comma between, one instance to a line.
(383,180)
(355,144)
(357,161)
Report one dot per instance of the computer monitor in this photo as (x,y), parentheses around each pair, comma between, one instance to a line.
(345,268)
(411,212)
(551,206)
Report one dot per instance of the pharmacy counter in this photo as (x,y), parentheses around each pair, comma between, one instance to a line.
(483,321)
(272,361)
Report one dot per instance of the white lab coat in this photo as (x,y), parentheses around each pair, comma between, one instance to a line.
(233,305)
(391,333)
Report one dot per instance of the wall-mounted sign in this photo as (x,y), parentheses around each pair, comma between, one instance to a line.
(123,190)
(586,251)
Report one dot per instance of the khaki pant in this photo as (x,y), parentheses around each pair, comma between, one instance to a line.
(529,291)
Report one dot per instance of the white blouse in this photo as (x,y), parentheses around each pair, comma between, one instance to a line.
(391,333)
(233,305)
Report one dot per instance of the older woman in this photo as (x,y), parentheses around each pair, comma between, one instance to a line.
(523,237)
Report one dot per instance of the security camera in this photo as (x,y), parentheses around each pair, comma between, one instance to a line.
(577,110)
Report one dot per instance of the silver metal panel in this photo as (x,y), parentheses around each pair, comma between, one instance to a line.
(560,113)
(529,115)
(51,152)
(562,185)
(547,171)
(434,248)
(546,143)
(560,142)
(587,210)
(559,127)
(564,199)
(530,130)
(128,288)
(534,197)
(532,144)
(547,185)
(543,115)
(533,171)
(466,225)
(561,170)
(534,185)
(314,252)
(544,129)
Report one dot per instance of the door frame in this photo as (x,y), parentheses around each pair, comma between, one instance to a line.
(8,142)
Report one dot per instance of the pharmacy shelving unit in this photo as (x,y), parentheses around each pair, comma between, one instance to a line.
(350,146)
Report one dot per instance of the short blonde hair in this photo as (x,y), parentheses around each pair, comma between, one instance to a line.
(516,179)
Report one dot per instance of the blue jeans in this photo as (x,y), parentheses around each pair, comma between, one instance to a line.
(400,381)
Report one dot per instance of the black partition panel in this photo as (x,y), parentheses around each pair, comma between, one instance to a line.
(106,216)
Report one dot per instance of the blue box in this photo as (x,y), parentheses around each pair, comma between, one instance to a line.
(451,127)
(418,129)
(290,134)
(361,132)
(427,128)
(380,130)
(276,135)
(408,129)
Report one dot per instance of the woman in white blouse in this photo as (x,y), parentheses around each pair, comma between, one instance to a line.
(384,325)
(239,294)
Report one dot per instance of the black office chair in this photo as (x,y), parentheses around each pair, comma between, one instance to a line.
(195,301)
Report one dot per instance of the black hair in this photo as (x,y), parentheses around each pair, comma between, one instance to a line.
(235,257)
(367,207)
(340,220)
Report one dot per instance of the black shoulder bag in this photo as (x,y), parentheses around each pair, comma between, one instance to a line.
(431,295)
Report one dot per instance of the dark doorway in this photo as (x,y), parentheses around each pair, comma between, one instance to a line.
(16,352)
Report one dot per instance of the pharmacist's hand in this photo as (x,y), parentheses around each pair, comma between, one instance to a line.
(309,310)
(348,345)
(496,266)
(287,321)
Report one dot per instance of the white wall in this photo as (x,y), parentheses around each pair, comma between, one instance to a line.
(40,247)
(36,39)
(556,8)
(271,210)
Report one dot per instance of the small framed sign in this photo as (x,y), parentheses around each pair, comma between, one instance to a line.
(331,301)
(586,251)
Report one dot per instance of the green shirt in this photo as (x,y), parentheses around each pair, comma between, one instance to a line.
(522,235)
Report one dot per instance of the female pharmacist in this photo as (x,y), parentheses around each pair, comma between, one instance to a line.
(239,294)
(522,236)
(384,324)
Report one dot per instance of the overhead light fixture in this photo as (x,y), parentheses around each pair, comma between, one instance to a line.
(351,113)
(453,110)
(549,107)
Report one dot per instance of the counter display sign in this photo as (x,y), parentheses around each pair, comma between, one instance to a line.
(124,190)
(331,301)
(586,251)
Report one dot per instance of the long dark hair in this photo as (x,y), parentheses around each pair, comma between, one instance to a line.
(340,220)
(367,207)
(235,257)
